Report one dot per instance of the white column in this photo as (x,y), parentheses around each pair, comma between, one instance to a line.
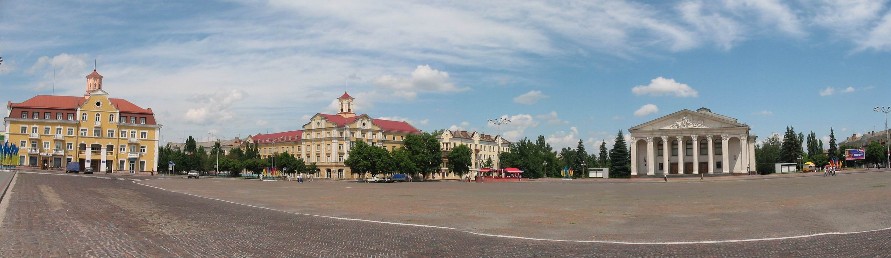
(102,163)
(88,156)
(711,154)
(725,161)
(744,152)
(680,154)
(695,154)
(752,160)
(666,154)
(633,156)
(651,157)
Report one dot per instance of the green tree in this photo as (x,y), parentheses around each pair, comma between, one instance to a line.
(402,162)
(425,152)
(814,147)
(767,154)
(875,153)
(459,160)
(581,161)
(488,163)
(791,149)
(312,168)
(360,159)
(603,159)
(833,147)
(567,158)
(620,160)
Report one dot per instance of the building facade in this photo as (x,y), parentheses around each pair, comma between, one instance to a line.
(226,146)
(104,133)
(692,142)
(482,146)
(270,144)
(327,139)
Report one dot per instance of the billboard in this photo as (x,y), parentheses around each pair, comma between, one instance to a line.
(854,154)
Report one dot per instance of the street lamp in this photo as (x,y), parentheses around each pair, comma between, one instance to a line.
(886,110)
(498,122)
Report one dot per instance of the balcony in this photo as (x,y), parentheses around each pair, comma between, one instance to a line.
(33,136)
(97,123)
(133,140)
(133,155)
(59,137)
(33,151)
(58,153)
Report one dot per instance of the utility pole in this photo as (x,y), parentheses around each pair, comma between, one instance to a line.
(886,110)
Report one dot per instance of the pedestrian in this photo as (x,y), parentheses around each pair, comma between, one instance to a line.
(701,177)
(665,176)
(299,178)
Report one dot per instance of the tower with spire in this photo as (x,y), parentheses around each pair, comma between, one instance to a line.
(94,82)
(346,105)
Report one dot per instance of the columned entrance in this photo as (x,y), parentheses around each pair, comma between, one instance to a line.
(691,142)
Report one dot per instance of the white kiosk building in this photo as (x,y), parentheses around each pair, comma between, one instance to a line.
(692,142)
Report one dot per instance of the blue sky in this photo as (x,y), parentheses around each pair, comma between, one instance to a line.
(567,70)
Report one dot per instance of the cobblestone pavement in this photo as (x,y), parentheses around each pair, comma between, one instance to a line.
(53,216)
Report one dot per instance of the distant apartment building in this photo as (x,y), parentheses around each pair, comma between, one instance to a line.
(271,144)
(483,147)
(226,145)
(104,133)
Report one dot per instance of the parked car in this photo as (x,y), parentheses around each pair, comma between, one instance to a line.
(72,167)
(88,170)
(374,179)
(193,174)
(399,178)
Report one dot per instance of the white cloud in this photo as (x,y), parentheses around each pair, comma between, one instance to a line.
(646,110)
(723,31)
(764,113)
(850,18)
(829,91)
(63,69)
(460,127)
(879,37)
(562,139)
(771,14)
(529,98)
(214,108)
(663,86)
(551,118)
(423,79)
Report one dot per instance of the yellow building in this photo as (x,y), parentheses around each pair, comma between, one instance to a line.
(327,138)
(104,133)
(482,146)
(271,144)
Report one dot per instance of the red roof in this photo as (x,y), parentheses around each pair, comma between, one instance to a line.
(345,96)
(513,170)
(289,136)
(386,125)
(94,74)
(72,102)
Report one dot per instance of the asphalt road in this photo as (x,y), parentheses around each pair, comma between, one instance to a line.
(51,215)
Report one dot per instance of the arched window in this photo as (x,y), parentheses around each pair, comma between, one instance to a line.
(111,118)
(83,116)
(98,117)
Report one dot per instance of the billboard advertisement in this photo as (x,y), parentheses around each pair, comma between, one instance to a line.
(854,154)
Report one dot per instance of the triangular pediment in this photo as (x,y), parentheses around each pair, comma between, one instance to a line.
(687,119)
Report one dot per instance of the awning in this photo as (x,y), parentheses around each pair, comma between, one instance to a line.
(483,170)
(513,170)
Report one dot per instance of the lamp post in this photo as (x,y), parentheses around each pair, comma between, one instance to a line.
(498,122)
(886,110)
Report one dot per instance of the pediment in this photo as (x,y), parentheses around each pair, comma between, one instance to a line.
(687,119)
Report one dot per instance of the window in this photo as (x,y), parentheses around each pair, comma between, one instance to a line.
(133,134)
(83,116)
(47,115)
(109,148)
(59,116)
(33,145)
(111,118)
(34,129)
(58,147)
(688,148)
(674,148)
(142,120)
(36,115)
(46,130)
(123,119)
(123,133)
(70,131)
(703,148)
(132,148)
(22,144)
(97,132)
(661,166)
(718,148)
(123,148)
(110,133)
(83,132)
(133,120)
(143,135)
(24,114)
(71,117)
(98,117)
(69,146)
(46,145)
(24,129)
(59,130)
(718,164)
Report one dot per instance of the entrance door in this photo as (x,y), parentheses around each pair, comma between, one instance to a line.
(673,169)
(688,168)
(703,167)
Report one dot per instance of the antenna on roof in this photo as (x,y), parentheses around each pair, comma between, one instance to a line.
(94,64)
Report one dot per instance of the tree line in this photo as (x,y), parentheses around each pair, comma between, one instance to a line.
(798,148)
